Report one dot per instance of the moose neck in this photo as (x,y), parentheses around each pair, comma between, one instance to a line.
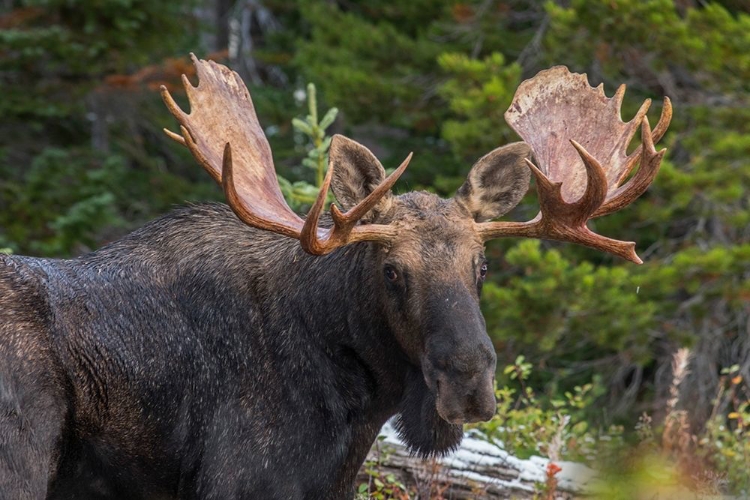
(336,301)
(343,313)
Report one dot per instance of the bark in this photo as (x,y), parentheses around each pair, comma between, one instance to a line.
(477,470)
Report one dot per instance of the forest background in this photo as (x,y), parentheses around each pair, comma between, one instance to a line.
(653,358)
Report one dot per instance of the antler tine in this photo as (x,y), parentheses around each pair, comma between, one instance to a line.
(650,162)
(344,228)
(664,120)
(596,185)
(174,108)
(661,128)
(570,109)
(175,137)
(632,160)
(309,235)
(360,209)
(221,104)
(235,202)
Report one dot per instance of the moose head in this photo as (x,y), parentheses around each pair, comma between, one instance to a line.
(428,253)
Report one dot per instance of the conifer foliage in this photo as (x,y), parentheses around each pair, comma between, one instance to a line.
(83,160)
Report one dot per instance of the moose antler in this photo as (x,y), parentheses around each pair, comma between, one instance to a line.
(577,182)
(222,129)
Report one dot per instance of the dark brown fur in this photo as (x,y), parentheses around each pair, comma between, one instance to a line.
(201,358)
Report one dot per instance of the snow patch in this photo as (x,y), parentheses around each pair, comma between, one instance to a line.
(480,460)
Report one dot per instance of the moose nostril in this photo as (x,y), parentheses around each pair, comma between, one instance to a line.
(489,413)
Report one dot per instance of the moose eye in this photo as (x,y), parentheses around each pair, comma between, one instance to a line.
(483,271)
(390,273)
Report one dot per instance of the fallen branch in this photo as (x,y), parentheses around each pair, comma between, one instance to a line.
(478,469)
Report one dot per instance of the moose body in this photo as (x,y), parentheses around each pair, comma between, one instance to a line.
(248,353)
(202,358)
(183,358)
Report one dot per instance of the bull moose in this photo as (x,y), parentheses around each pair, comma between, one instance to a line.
(245,352)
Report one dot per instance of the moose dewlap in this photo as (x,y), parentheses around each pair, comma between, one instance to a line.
(245,352)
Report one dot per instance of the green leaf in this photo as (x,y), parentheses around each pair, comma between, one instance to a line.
(309,162)
(328,118)
(302,126)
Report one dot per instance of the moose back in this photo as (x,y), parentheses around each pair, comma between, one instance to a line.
(244,352)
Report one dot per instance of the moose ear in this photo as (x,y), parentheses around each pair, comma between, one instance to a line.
(356,173)
(497,182)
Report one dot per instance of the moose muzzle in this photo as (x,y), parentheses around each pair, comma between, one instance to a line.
(459,360)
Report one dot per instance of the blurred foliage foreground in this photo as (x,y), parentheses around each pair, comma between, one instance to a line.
(638,370)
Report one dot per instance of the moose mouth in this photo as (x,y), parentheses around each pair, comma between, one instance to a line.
(465,399)
(470,415)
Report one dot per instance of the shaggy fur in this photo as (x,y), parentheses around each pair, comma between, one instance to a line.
(199,358)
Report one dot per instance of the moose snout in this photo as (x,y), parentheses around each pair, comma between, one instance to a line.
(465,401)
(463,398)
(459,360)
